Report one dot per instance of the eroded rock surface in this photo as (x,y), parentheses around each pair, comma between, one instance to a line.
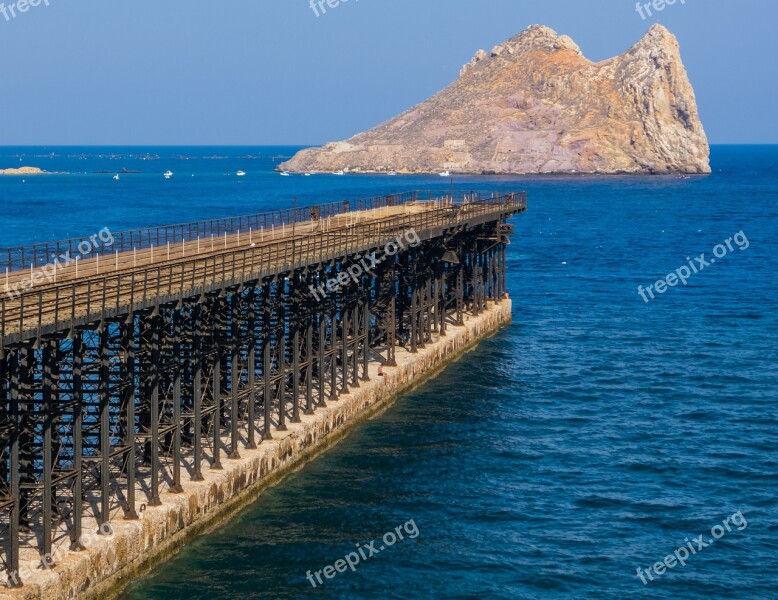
(536,104)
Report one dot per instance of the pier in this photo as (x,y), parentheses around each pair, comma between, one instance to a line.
(148,369)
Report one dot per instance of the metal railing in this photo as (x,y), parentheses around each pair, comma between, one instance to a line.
(17,258)
(60,306)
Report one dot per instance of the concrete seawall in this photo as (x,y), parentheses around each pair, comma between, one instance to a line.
(109,563)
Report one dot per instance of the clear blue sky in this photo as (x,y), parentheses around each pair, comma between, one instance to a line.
(271,72)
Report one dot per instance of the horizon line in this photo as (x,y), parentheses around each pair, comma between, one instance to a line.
(259,145)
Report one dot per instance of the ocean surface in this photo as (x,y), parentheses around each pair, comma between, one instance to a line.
(596,435)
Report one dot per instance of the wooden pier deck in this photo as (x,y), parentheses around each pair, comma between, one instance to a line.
(101,286)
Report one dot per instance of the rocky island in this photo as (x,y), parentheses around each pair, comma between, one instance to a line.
(535,105)
(23,171)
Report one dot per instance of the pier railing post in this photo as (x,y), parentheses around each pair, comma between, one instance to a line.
(345,319)
(460,294)
(333,347)
(234,359)
(197,391)
(309,325)
(321,349)
(266,363)
(155,323)
(175,486)
(12,556)
(281,354)
(389,281)
(128,335)
(365,337)
(50,362)
(295,323)
(356,322)
(217,337)
(251,442)
(104,402)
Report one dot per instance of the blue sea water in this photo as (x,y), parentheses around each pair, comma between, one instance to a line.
(593,436)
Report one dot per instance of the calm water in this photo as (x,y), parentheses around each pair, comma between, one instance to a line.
(590,438)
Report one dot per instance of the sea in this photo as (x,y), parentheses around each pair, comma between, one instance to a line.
(607,444)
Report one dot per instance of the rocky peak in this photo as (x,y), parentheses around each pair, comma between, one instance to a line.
(540,37)
(534,38)
(536,104)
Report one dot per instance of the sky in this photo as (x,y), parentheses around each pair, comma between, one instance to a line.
(256,72)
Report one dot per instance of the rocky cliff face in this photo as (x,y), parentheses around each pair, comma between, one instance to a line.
(535,104)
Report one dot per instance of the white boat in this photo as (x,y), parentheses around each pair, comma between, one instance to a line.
(168,174)
(338,173)
(307,174)
(116,177)
(286,174)
(241,173)
(445,174)
(391,173)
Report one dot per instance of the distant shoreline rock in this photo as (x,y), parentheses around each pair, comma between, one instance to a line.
(23,171)
(536,105)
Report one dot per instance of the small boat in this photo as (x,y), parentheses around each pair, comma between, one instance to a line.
(168,174)
(116,177)
(307,174)
(338,173)
(445,174)
(241,173)
(391,174)
(286,174)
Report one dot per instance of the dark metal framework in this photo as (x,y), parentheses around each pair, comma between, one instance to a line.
(100,413)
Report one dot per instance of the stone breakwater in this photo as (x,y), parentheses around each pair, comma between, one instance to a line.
(110,563)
